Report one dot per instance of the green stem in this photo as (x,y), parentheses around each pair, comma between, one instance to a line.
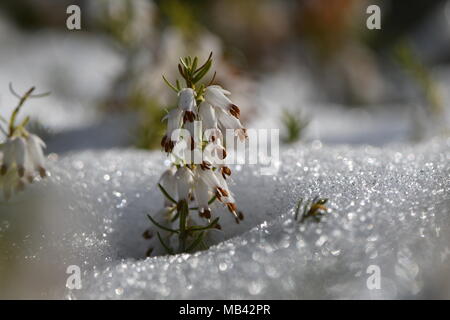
(184,211)
(17,109)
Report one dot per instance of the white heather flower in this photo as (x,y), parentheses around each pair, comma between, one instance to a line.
(210,179)
(174,122)
(186,102)
(202,195)
(216,96)
(169,183)
(230,122)
(209,121)
(184,179)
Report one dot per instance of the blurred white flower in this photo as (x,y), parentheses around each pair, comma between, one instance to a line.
(21,158)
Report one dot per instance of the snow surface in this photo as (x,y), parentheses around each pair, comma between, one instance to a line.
(389,207)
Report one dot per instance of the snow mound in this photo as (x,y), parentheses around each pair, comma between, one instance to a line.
(389,208)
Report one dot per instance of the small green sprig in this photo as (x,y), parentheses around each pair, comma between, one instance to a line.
(312,209)
(294,124)
(192,74)
(19,129)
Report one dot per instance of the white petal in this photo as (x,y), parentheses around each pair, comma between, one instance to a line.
(201,192)
(186,99)
(207,115)
(34,146)
(184,179)
(217,98)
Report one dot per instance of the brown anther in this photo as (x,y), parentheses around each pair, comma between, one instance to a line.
(206,213)
(163,141)
(42,172)
(225,171)
(234,111)
(223,191)
(148,234)
(218,226)
(30,179)
(224,153)
(192,143)
(205,165)
(232,208)
(240,215)
(189,116)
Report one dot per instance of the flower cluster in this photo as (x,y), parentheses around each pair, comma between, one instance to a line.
(21,153)
(195,140)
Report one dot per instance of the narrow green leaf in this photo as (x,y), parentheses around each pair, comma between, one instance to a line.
(167,195)
(181,70)
(194,64)
(202,73)
(160,225)
(209,226)
(203,65)
(212,79)
(168,249)
(169,84)
(183,63)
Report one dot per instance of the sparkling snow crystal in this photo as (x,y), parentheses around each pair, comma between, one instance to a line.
(388,207)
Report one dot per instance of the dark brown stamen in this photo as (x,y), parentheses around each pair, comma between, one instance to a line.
(42,172)
(148,234)
(234,111)
(223,191)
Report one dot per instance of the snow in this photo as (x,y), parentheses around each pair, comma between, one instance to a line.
(389,207)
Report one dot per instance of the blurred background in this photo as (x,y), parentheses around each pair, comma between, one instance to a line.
(308,67)
(311,68)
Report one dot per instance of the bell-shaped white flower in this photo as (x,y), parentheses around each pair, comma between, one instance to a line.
(216,96)
(210,179)
(174,121)
(229,122)
(184,180)
(202,195)
(186,102)
(169,183)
